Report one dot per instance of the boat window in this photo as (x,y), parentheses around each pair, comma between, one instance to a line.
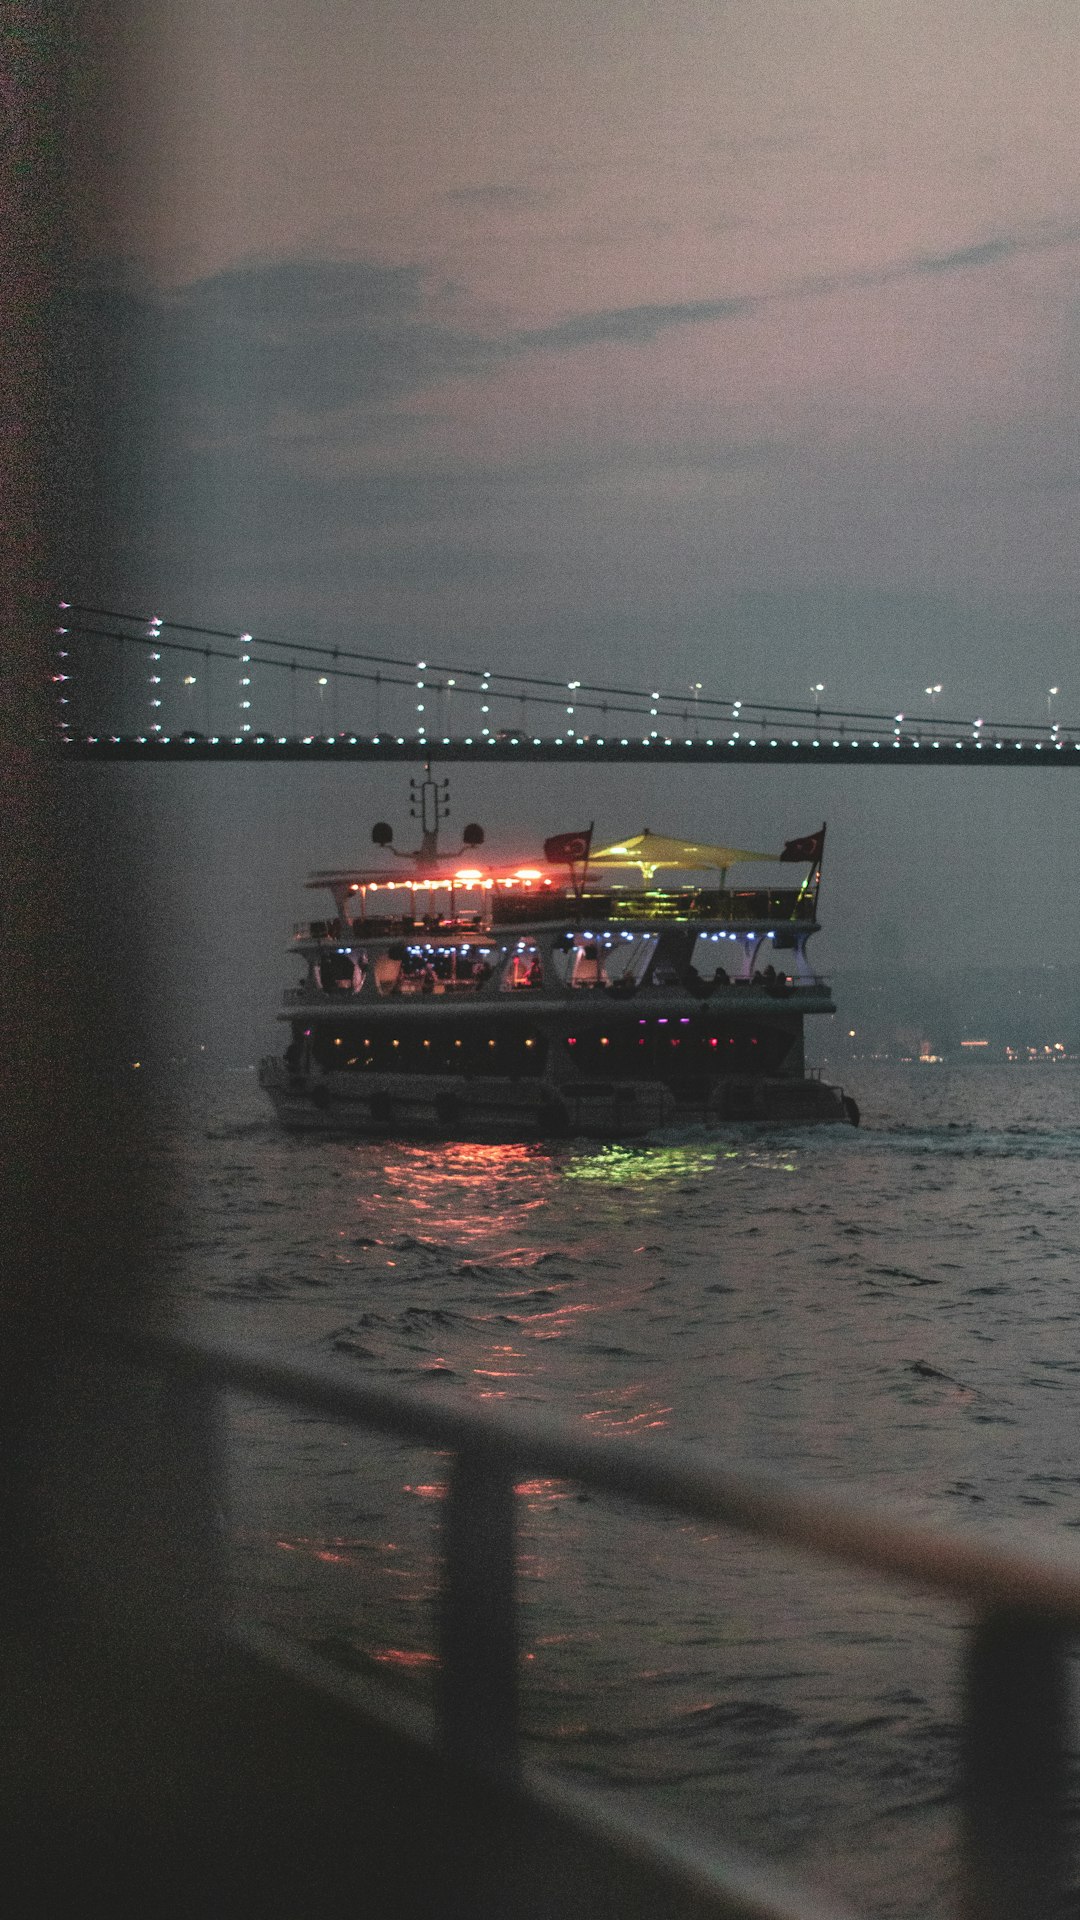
(340,970)
(628,958)
(524,969)
(388,965)
(435,967)
(614,958)
(719,958)
(580,960)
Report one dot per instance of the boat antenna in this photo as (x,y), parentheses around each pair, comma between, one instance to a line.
(429,803)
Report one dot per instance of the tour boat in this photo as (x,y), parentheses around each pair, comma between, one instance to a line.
(600,992)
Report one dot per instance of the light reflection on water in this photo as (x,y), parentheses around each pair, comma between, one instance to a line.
(894,1310)
(619,1165)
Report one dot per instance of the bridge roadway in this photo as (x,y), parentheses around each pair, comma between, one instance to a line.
(772,750)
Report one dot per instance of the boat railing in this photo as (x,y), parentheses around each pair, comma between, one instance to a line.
(806,987)
(787,989)
(319,929)
(411,988)
(739,985)
(1021,1606)
(734,906)
(407,926)
(731,906)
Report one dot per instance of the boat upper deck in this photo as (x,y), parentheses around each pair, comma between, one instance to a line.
(412,909)
(570,887)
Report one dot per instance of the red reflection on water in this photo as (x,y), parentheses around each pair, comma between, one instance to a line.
(622,1418)
(408,1659)
(334,1553)
(444,1187)
(430,1490)
(550,1323)
(542,1489)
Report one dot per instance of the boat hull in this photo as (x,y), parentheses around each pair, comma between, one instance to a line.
(430,1106)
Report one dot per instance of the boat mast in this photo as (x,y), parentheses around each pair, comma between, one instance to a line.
(430,804)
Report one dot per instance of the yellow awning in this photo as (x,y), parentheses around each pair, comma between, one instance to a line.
(648,851)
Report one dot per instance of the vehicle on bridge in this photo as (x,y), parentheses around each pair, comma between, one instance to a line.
(573,994)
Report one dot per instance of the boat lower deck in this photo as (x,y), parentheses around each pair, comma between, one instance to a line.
(508,1107)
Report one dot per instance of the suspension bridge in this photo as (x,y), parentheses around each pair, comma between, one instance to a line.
(139,687)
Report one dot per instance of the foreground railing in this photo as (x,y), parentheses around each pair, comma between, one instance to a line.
(1024,1608)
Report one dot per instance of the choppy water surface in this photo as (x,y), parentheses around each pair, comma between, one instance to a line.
(893,1310)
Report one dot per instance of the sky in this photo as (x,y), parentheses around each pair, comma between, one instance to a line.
(735,341)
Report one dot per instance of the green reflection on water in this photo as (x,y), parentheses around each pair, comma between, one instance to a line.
(643,1165)
(640,1165)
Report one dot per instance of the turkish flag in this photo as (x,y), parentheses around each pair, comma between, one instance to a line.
(809,848)
(563,849)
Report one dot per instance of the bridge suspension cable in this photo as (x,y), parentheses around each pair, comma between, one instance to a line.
(121,694)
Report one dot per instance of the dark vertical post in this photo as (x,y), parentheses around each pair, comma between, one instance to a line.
(478,1627)
(1014,1771)
(110,1721)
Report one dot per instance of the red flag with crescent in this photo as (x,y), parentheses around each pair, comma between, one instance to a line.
(808,848)
(566,849)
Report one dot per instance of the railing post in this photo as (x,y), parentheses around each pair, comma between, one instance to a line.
(478,1626)
(1014,1770)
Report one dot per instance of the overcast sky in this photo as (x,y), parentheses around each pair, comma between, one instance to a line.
(733,338)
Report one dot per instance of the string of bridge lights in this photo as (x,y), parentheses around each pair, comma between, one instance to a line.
(747,729)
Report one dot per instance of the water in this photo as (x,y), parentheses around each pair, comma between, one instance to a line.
(892,1311)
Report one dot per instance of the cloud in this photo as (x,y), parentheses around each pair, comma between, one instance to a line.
(985,253)
(229,355)
(622,325)
(247,407)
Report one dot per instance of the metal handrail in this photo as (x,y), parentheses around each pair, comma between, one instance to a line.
(1024,1604)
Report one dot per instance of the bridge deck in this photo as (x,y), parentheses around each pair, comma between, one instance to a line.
(775,750)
